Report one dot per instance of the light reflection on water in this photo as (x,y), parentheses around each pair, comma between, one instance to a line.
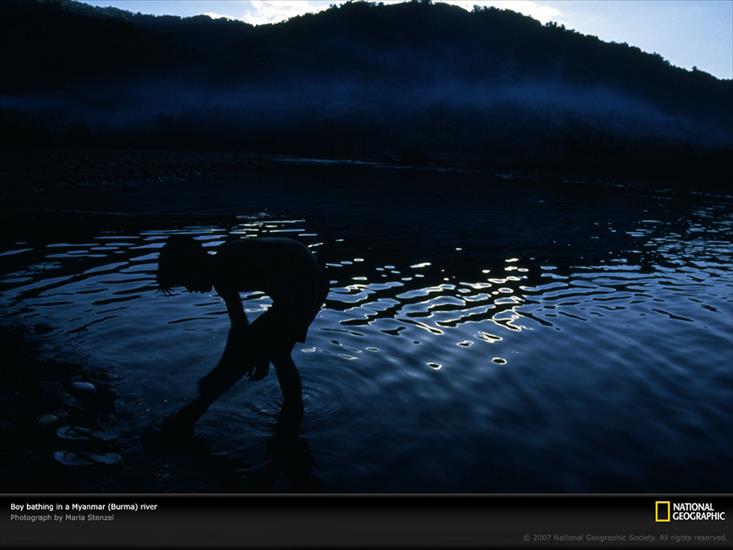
(449,373)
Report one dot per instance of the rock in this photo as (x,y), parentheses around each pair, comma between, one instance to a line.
(81,433)
(47,419)
(82,458)
(84,389)
(70,403)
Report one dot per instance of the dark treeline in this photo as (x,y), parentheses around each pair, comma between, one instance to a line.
(414,81)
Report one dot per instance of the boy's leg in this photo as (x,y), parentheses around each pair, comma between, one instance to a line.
(291,415)
(239,357)
(218,381)
(295,326)
(235,362)
(289,378)
(226,377)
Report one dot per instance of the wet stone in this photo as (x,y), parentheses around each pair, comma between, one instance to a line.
(86,389)
(47,419)
(70,403)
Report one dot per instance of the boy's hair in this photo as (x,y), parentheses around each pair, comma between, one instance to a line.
(178,255)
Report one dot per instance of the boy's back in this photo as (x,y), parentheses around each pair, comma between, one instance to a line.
(282,268)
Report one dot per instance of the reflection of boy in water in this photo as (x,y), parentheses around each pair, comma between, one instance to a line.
(282,268)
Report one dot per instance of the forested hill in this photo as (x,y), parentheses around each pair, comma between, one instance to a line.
(357,80)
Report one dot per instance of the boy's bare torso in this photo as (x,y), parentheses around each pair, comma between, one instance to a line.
(283,269)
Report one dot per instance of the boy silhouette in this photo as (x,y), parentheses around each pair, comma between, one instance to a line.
(285,270)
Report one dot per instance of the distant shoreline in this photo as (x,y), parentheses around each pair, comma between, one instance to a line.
(119,168)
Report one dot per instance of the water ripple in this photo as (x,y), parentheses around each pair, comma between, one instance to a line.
(451,356)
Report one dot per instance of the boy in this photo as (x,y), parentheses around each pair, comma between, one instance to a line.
(282,268)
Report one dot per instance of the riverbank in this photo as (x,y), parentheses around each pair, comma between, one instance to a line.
(30,173)
(40,396)
(67,191)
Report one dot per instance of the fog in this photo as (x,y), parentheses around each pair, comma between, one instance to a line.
(446,115)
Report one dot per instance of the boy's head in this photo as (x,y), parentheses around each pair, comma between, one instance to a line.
(183,262)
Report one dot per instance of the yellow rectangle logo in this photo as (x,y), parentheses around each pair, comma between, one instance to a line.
(662,511)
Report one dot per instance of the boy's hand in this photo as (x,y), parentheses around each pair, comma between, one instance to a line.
(260,370)
(258,359)
(258,362)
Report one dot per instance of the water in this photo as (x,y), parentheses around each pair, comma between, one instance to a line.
(502,338)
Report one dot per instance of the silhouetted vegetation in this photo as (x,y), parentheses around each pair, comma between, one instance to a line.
(414,82)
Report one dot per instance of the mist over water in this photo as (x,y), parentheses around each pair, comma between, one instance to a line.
(244,111)
(498,337)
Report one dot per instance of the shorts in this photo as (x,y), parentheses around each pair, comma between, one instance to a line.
(289,318)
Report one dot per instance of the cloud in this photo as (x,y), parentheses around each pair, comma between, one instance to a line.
(536,10)
(262,12)
(215,15)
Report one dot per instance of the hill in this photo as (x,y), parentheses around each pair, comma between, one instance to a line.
(415,81)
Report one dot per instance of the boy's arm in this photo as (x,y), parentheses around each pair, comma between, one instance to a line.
(234,349)
(231,366)
(234,309)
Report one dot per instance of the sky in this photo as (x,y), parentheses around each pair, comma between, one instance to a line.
(687,33)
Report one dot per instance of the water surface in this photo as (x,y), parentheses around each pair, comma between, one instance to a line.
(500,337)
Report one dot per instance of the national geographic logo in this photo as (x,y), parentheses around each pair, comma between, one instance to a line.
(666,511)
